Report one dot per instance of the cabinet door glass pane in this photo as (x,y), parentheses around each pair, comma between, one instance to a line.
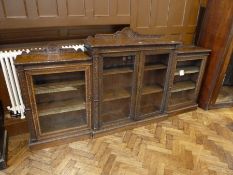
(154,78)
(185,81)
(226,92)
(117,87)
(60,99)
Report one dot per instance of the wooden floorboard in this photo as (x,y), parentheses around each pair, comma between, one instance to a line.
(194,143)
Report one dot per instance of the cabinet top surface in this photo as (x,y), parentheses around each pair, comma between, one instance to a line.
(126,37)
(42,58)
(192,49)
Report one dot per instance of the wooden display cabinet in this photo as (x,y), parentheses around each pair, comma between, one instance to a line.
(122,80)
(132,77)
(57,89)
(187,73)
(129,72)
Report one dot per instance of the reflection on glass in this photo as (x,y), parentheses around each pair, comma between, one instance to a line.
(60,99)
(184,85)
(117,87)
(155,69)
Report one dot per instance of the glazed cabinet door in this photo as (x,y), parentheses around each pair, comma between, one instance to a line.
(187,75)
(118,81)
(60,99)
(153,81)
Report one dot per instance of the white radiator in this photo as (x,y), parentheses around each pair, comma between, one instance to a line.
(9,71)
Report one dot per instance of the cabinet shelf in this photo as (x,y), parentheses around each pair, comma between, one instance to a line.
(151,89)
(179,100)
(187,70)
(60,122)
(147,109)
(183,86)
(116,94)
(114,115)
(155,67)
(114,71)
(49,88)
(60,107)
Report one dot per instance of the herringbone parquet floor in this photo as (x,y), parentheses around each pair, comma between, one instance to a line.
(194,143)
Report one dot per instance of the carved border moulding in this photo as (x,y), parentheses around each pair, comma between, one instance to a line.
(127,37)
(96,91)
(127,33)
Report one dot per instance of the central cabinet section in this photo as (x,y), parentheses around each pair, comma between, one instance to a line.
(118,83)
(133,85)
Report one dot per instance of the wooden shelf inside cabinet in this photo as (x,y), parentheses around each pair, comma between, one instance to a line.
(187,70)
(116,94)
(113,115)
(180,99)
(183,86)
(60,107)
(146,109)
(155,67)
(151,89)
(58,87)
(114,71)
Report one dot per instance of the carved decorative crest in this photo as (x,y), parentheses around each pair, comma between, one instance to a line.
(125,33)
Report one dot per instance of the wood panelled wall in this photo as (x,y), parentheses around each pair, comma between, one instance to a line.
(10,36)
(175,18)
(50,13)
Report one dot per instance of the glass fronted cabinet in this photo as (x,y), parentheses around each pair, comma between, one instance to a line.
(153,83)
(186,79)
(118,82)
(61,98)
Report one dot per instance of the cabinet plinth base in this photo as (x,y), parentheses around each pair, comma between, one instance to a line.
(41,144)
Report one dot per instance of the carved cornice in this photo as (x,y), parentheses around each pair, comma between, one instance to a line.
(125,33)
